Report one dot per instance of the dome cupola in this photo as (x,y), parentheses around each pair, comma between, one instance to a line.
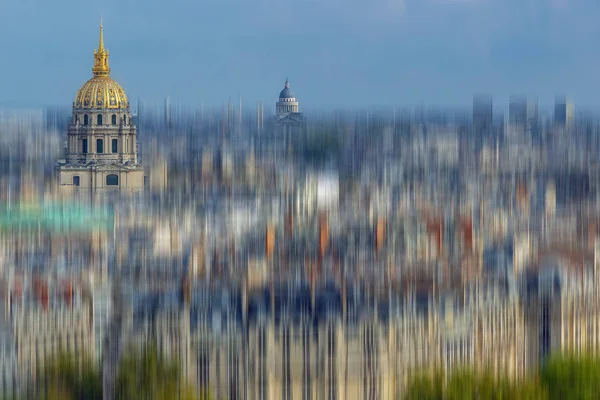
(287,93)
(101,91)
(287,102)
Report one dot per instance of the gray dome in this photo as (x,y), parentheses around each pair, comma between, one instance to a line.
(286,93)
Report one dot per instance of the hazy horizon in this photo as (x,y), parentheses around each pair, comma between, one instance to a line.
(336,54)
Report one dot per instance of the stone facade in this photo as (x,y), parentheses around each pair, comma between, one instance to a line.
(101,148)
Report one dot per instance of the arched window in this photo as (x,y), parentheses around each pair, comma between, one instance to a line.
(76,180)
(114,119)
(125,120)
(115,144)
(85,119)
(99,122)
(84,148)
(112,180)
(99,146)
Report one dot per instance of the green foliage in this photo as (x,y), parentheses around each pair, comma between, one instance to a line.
(141,375)
(145,375)
(467,384)
(66,377)
(572,377)
(426,386)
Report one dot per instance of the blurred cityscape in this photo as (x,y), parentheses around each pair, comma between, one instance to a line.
(278,254)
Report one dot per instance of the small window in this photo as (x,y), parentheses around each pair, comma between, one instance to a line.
(99,146)
(99,122)
(114,119)
(115,144)
(125,120)
(76,180)
(85,119)
(84,148)
(112,180)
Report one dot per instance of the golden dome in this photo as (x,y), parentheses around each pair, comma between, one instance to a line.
(101,91)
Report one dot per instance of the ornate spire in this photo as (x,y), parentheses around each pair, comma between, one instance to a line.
(101,67)
(287,83)
(101,44)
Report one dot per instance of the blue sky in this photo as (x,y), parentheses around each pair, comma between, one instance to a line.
(336,52)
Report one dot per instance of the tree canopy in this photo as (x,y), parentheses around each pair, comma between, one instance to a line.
(67,377)
(142,374)
(572,377)
(564,376)
(145,375)
(468,384)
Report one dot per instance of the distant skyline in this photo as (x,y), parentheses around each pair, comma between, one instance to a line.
(336,53)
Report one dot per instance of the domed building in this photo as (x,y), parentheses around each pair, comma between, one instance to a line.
(287,103)
(288,120)
(101,148)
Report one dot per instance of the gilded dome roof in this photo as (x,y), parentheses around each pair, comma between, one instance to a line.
(101,91)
